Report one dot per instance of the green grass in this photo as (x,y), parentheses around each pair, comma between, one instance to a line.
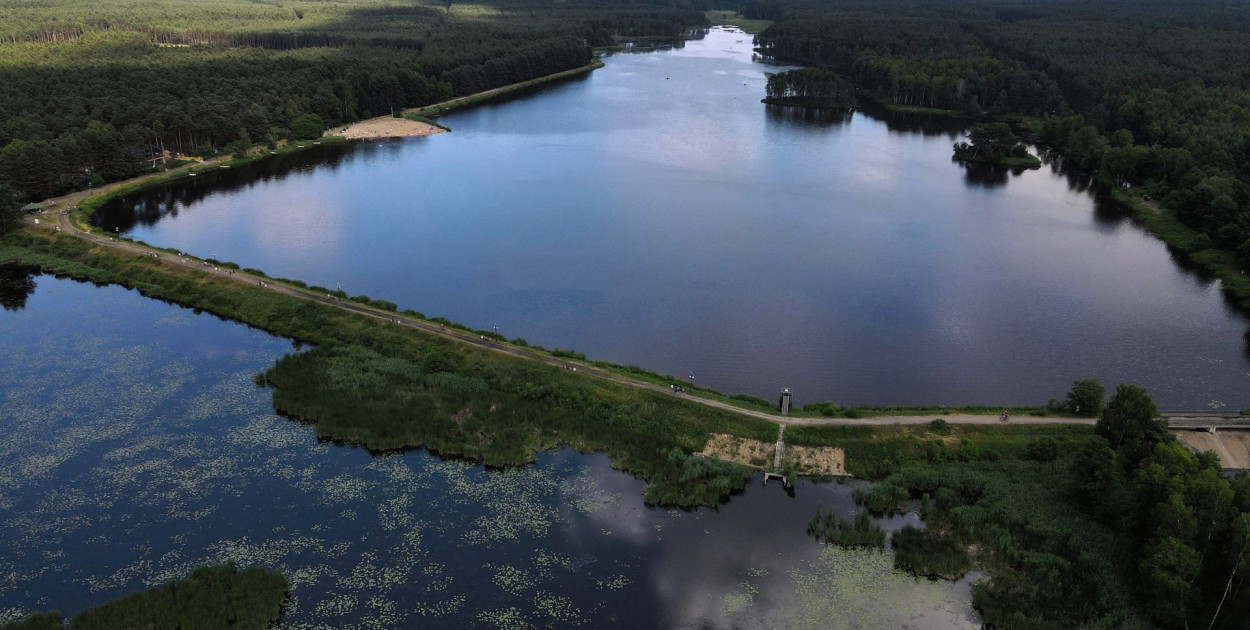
(210,598)
(734,18)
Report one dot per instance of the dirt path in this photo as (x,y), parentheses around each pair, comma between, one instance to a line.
(505,348)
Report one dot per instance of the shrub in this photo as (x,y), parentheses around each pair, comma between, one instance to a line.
(1042,449)
(1086,398)
(307,127)
(940,426)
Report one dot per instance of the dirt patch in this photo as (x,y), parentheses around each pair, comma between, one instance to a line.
(816,460)
(735,449)
(384,127)
(821,460)
(1232,446)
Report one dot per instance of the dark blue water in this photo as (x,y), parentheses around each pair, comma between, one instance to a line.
(135,447)
(655,213)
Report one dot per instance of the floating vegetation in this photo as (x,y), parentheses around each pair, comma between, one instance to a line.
(512,579)
(734,604)
(152,456)
(850,588)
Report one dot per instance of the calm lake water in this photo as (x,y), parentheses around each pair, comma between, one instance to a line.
(656,213)
(136,447)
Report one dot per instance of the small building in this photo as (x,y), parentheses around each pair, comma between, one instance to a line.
(32,208)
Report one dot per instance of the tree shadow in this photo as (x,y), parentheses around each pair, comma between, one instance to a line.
(17,283)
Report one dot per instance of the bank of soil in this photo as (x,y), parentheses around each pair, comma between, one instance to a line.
(819,460)
(1233,447)
(384,127)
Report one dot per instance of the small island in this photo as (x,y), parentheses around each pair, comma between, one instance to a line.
(811,88)
(994,143)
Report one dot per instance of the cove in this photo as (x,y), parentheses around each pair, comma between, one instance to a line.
(655,213)
(136,447)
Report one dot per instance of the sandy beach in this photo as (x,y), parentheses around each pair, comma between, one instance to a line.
(384,127)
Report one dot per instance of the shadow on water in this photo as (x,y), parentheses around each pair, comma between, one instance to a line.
(984,175)
(1109,215)
(147,207)
(915,122)
(807,118)
(16,285)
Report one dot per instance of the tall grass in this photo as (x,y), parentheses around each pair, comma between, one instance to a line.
(390,387)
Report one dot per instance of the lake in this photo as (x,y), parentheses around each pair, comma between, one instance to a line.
(136,447)
(655,213)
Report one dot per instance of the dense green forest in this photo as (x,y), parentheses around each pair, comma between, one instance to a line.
(1154,94)
(89,90)
(211,598)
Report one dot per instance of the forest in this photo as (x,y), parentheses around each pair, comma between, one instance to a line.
(1154,95)
(94,92)
(211,598)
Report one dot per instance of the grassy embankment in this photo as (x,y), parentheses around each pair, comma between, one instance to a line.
(733,18)
(387,387)
(430,112)
(1194,245)
(209,599)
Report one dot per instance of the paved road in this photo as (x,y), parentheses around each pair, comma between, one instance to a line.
(64,203)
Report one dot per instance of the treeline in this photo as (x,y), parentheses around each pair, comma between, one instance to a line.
(809,87)
(1154,94)
(211,598)
(93,93)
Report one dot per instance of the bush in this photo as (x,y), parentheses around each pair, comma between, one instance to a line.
(307,127)
(883,497)
(1086,398)
(940,426)
(1042,449)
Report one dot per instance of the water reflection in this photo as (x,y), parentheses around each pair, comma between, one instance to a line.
(16,285)
(149,206)
(136,447)
(984,175)
(656,213)
(824,118)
